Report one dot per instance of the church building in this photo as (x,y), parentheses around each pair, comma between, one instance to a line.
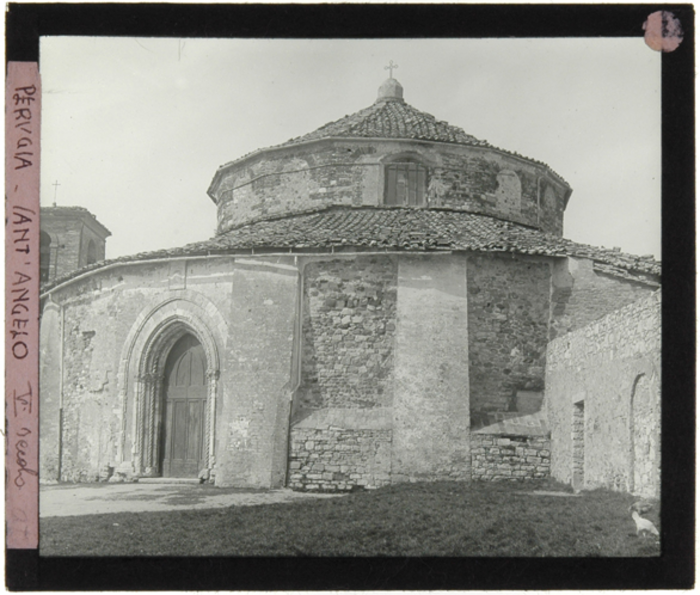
(375,307)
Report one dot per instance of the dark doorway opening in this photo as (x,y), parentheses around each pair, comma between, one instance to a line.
(185,398)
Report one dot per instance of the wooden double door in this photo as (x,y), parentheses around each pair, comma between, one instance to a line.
(184,411)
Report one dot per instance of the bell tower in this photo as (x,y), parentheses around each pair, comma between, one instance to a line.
(71,238)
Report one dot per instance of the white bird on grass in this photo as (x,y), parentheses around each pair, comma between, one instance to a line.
(644,526)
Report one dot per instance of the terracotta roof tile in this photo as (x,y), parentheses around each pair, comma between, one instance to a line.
(394,229)
(392,119)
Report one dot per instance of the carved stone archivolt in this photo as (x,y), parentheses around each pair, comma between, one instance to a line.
(150,360)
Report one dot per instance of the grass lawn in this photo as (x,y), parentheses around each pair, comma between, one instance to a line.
(431,519)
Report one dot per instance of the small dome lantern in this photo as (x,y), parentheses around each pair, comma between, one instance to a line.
(391,90)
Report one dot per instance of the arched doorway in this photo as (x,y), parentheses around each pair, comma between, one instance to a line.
(146,356)
(184,409)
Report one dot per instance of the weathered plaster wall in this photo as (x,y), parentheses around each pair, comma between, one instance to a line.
(248,307)
(92,412)
(49,390)
(612,369)
(99,313)
(508,319)
(253,417)
(581,295)
(431,395)
(351,173)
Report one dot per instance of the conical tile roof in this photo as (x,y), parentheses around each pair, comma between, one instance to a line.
(392,118)
(389,117)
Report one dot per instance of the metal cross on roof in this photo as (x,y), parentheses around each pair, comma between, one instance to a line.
(55,191)
(390,68)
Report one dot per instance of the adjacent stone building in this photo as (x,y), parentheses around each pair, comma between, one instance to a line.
(603,397)
(375,307)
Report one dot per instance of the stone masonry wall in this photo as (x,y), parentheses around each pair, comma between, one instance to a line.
(348,331)
(351,173)
(65,249)
(508,319)
(610,368)
(339,459)
(471,181)
(307,178)
(70,237)
(498,457)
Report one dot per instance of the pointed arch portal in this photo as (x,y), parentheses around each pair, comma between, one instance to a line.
(173,360)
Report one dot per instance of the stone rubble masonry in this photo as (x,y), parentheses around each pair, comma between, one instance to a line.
(330,460)
(475,181)
(349,330)
(613,367)
(351,173)
(508,318)
(501,457)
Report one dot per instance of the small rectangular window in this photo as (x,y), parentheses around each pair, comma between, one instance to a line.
(406,184)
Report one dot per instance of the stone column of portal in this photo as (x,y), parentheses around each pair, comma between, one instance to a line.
(144,416)
(430,438)
(123,395)
(212,380)
(154,416)
(137,438)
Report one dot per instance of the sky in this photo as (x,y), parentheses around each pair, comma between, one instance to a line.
(134,129)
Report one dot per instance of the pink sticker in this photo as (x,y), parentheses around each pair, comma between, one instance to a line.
(22,122)
(663,31)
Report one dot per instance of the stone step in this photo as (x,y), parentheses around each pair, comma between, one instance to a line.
(170,480)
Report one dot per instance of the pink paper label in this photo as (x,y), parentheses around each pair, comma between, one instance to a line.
(22,122)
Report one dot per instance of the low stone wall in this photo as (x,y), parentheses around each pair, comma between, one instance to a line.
(331,460)
(498,457)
